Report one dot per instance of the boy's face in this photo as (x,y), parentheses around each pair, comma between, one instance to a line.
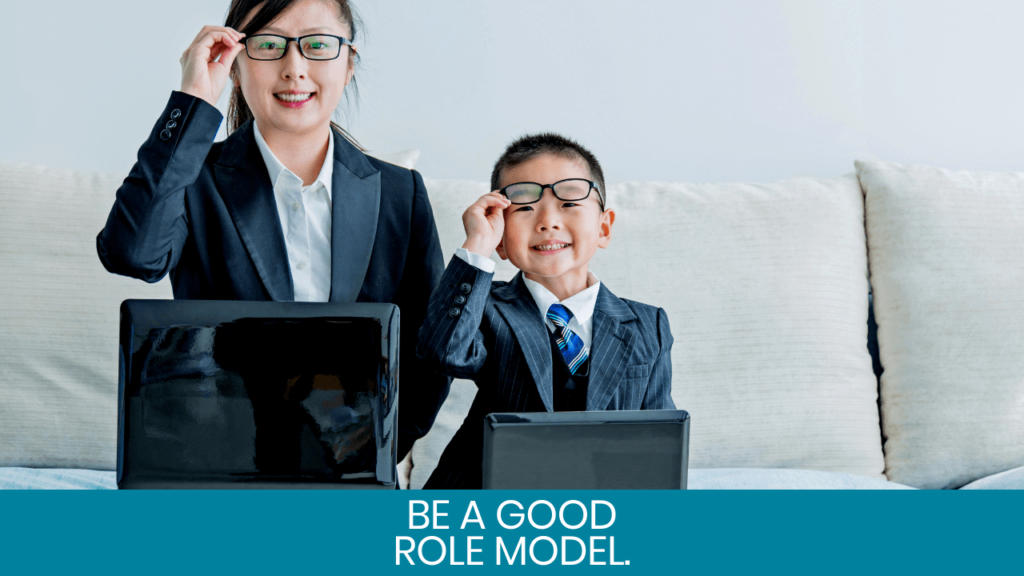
(552,239)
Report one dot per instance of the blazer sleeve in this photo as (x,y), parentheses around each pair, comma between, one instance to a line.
(423,390)
(147,226)
(659,386)
(451,340)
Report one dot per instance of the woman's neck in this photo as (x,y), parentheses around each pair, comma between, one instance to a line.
(303,154)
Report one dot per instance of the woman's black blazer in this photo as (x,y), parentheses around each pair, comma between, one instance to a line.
(206,214)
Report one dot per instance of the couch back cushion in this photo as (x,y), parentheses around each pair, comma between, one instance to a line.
(59,319)
(947,268)
(767,294)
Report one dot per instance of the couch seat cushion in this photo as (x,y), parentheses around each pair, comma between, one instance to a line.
(782,479)
(1008,480)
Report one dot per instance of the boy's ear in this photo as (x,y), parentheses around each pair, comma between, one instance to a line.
(605,228)
(500,249)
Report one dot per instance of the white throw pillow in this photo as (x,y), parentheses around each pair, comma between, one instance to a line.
(766,291)
(404,158)
(947,268)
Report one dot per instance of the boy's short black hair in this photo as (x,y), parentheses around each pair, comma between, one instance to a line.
(533,145)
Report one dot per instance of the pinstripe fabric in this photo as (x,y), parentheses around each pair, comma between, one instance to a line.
(499,341)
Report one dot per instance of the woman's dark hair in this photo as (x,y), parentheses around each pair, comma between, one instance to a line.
(267,12)
(533,145)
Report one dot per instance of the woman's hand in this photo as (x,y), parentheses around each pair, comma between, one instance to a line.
(206,63)
(485,223)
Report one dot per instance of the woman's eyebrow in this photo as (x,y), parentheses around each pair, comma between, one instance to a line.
(301,32)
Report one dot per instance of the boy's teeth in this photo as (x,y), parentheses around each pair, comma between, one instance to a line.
(294,97)
(551,247)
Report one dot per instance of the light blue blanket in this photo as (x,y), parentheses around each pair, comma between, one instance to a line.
(712,479)
(56,479)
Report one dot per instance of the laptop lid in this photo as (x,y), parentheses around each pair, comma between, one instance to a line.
(223,394)
(628,449)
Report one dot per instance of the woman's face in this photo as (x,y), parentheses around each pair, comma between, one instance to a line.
(294,94)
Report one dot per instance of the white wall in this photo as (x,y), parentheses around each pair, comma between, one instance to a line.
(659,90)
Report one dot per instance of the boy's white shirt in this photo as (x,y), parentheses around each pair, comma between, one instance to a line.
(580,304)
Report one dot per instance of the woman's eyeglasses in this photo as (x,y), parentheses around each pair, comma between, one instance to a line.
(571,190)
(313,47)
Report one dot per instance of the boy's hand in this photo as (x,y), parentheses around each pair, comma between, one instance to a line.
(485,223)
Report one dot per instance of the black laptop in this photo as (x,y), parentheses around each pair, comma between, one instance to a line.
(222,394)
(627,449)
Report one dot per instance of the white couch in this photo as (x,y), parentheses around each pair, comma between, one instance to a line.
(766,288)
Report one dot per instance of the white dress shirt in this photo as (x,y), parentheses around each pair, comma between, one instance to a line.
(580,304)
(305,213)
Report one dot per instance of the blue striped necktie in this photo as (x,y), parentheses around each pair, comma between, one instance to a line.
(573,350)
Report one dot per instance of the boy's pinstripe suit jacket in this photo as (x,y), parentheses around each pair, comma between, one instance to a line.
(493,334)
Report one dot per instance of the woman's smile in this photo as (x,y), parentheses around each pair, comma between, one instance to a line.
(294,98)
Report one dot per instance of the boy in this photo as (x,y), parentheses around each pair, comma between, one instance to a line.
(554,338)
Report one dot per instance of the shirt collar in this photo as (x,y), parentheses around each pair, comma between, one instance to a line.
(580,304)
(276,169)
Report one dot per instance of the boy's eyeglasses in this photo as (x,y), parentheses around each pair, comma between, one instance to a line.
(571,190)
(313,47)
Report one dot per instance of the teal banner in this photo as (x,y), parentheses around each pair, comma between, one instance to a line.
(349,532)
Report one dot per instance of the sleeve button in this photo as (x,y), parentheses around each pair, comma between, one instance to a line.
(460,299)
(466,287)
(171,124)
(175,114)
(165,135)
(454,312)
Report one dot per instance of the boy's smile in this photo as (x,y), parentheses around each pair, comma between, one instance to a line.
(552,240)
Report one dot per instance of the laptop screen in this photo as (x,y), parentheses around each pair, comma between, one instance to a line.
(249,393)
(615,449)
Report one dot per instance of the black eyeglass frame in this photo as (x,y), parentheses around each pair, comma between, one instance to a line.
(298,41)
(593,186)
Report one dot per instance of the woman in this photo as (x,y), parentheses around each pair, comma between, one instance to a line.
(286,208)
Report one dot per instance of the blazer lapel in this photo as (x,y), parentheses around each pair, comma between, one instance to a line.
(244,185)
(516,306)
(610,348)
(355,206)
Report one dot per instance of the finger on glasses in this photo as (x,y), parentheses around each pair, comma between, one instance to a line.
(215,44)
(220,33)
(224,29)
(494,198)
(228,57)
